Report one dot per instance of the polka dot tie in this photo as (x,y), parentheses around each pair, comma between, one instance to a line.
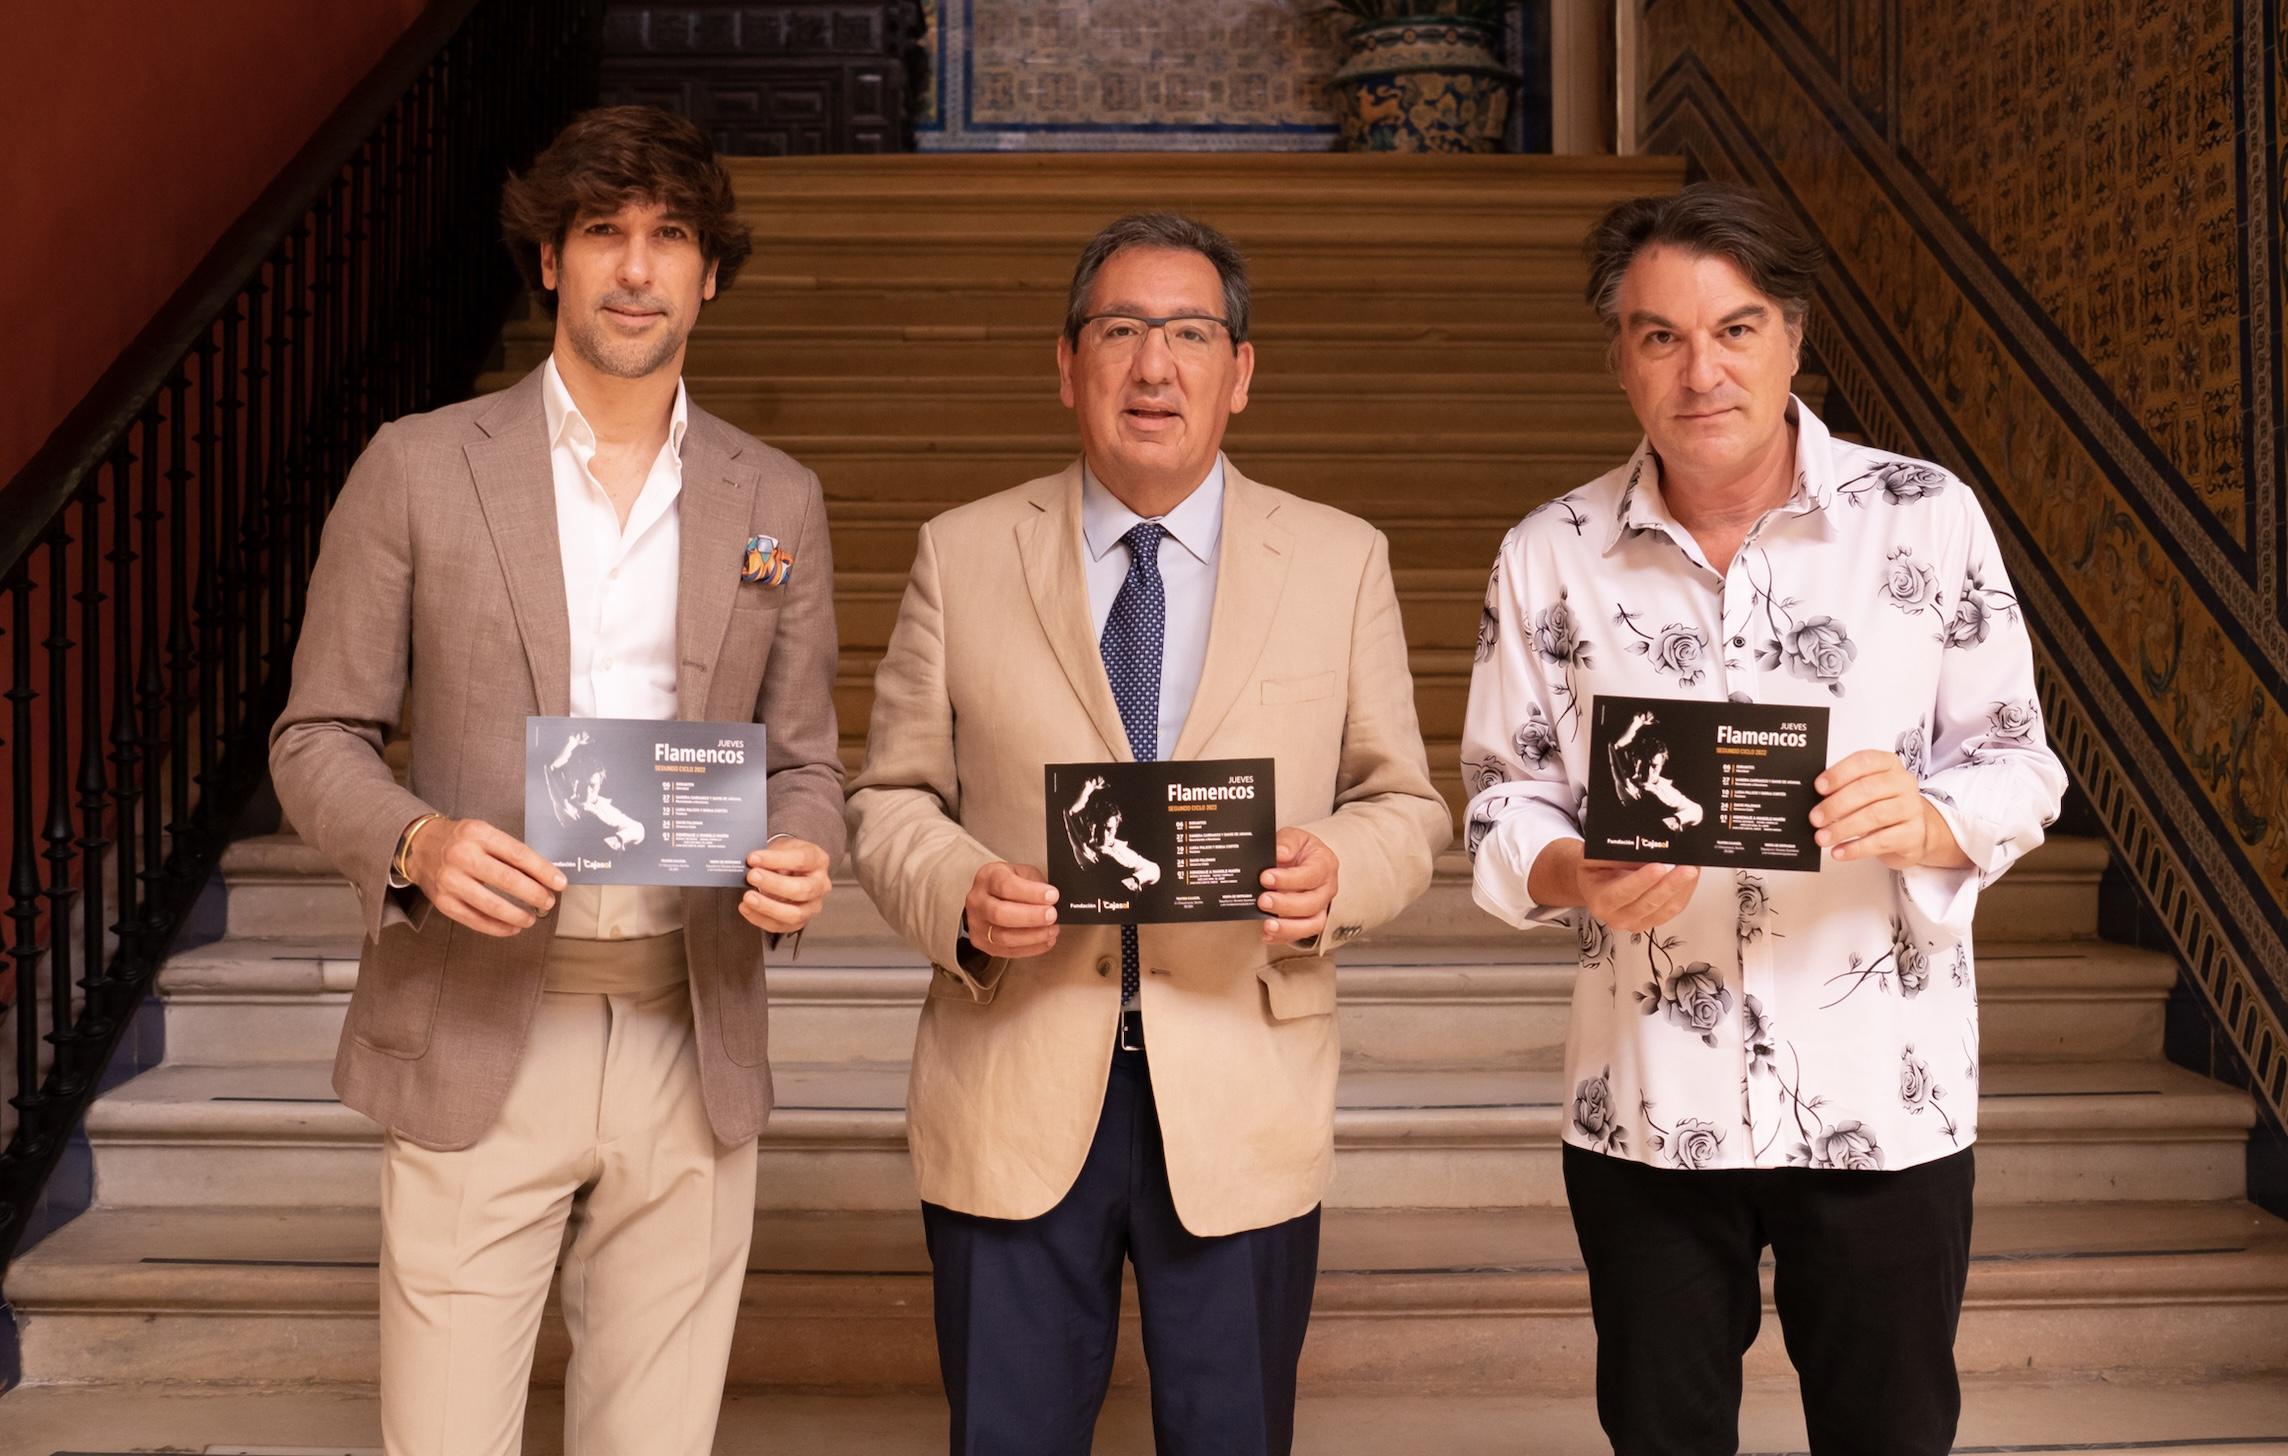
(1131,646)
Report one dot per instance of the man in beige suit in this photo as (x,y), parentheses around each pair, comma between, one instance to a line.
(542,1054)
(1159,1094)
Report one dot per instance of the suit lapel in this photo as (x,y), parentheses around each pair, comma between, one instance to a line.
(516,489)
(714,512)
(1049,545)
(1251,575)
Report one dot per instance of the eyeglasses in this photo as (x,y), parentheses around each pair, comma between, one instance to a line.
(1189,336)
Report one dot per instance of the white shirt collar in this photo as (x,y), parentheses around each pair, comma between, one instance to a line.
(1196,524)
(566,421)
(1644,507)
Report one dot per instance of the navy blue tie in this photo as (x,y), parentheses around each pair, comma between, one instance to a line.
(1131,643)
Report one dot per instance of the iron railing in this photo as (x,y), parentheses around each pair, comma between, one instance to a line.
(153,556)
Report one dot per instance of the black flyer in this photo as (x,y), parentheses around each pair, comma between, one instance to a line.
(641,801)
(1171,840)
(1689,782)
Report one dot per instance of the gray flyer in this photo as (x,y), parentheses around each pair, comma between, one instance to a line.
(639,801)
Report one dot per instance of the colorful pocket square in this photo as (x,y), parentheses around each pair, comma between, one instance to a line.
(766,561)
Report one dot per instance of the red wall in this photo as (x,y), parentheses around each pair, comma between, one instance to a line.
(132,133)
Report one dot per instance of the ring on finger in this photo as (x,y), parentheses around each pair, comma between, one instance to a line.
(989,934)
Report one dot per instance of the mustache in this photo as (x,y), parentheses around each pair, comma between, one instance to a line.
(633,300)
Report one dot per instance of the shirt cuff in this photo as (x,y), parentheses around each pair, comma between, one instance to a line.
(1945,896)
(1502,872)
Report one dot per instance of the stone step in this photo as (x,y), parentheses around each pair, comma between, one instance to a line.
(1431,1137)
(280,886)
(1503,1002)
(1408,1300)
(269,1000)
(2125,1411)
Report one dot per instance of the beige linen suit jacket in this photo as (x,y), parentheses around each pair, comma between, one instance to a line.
(992,671)
(440,585)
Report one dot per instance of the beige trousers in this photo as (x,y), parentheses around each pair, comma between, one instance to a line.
(603,1134)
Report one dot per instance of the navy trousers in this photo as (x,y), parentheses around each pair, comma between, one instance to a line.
(1028,1310)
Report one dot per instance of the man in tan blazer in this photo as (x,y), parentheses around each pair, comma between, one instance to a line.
(1165,1095)
(542,1054)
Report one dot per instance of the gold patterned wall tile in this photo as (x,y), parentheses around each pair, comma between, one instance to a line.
(2088,143)
(1175,74)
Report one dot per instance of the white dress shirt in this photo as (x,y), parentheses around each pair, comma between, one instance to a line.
(620,598)
(1187,576)
(1783,1018)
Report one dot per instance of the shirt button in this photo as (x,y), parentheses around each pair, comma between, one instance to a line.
(1739,642)
(605,664)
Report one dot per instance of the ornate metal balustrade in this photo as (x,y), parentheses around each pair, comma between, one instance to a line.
(153,555)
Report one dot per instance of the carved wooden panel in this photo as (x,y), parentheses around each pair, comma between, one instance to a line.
(795,78)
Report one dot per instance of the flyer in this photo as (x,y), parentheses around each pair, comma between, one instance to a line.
(1693,782)
(641,801)
(1170,840)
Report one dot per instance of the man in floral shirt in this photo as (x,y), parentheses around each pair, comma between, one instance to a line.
(1787,1059)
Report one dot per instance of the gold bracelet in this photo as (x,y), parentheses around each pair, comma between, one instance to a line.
(402,865)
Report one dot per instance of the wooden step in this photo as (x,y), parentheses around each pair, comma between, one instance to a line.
(1037,301)
(1334,408)
(1407,1300)
(723,346)
(1424,530)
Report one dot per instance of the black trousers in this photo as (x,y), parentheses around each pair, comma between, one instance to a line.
(1028,1310)
(1868,1277)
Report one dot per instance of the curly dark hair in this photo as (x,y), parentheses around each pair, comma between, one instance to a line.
(1707,219)
(607,158)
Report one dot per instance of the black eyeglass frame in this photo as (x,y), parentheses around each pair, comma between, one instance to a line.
(1151,323)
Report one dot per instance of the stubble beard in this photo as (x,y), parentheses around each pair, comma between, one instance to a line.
(622,358)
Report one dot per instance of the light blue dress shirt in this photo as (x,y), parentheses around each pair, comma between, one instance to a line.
(1187,574)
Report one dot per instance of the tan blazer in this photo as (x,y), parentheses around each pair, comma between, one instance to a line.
(440,584)
(993,670)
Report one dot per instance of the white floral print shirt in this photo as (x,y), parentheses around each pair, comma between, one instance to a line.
(1824,1020)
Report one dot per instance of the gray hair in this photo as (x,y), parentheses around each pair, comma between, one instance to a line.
(1706,220)
(1161,230)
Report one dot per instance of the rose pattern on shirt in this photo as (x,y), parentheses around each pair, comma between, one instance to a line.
(1912,751)
(1693,997)
(1677,650)
(1693,1142)
(1979,609)
(1489,616)
(1912,587)
(1796,1008)
(1593,1117)
(1905,962)
(1900,482)
(1557,637)
(1753,899)
(1919,1094)
(1817,649)
(1535,739)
